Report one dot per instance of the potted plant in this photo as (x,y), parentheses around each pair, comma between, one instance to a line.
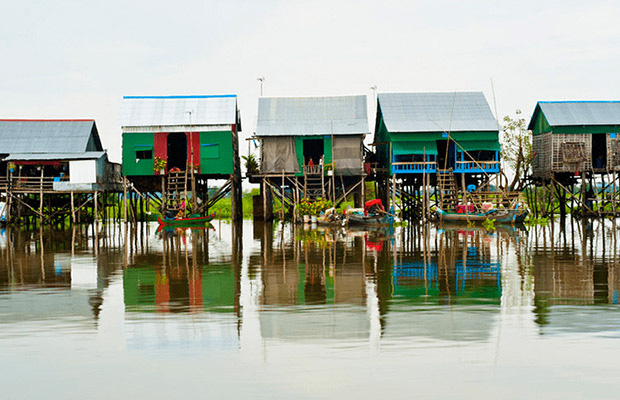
(251,165)
(160,165)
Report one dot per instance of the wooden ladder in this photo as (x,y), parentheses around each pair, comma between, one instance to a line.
(314,183)
(447,189)
(176,189)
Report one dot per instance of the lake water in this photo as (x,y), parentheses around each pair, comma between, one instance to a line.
(277,312)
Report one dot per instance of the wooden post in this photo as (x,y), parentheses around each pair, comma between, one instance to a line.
(236,195)
(282,198)
(264,193)
(41,199)
(163,194)
(125,216)
(394,192)
(95,217)
(584,201)
(463,188)
(72,209)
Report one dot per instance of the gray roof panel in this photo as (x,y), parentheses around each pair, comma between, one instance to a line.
(143,111)
(436,112)
(89,155)
(298,116)
(567,113)
(45,136)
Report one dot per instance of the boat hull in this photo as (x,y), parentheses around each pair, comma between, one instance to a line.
(185,221)
(370,220)
(500,216)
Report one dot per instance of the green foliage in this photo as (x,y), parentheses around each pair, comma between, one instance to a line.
(517,149)
(489,224)
(251,164)
(160,163)
(531,221)
(310,207)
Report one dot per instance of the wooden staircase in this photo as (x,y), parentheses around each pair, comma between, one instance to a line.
(176,190)
(314,183)
(446,185)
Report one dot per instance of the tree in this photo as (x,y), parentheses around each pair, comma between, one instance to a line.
(517,149)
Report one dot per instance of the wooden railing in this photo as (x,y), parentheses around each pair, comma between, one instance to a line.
(32,183)
(414,167)
(468,166)
(313,169)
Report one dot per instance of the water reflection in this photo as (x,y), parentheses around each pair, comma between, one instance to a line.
(302,282)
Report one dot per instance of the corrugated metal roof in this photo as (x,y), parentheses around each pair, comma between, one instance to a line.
(89,155)
(338,115)
(566,113)
(436,112)
(174,110)
(45,136)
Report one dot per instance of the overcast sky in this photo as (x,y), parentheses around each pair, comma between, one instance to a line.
(76,59)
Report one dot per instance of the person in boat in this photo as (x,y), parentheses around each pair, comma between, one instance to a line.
(182,210)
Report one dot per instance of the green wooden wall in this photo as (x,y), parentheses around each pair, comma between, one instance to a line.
(133,142)
(216,152)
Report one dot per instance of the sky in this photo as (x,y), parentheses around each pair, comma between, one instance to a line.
(77,59)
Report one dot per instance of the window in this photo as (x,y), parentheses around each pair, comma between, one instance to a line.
(144,154)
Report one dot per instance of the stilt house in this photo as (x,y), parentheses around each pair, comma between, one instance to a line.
(575,136)
(60,155)
(309,141)
(52,159)
(420,133)
(187,139)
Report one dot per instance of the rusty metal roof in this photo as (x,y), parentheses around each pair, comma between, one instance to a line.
(298,116)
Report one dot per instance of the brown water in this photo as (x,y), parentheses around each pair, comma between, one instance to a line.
(269,311)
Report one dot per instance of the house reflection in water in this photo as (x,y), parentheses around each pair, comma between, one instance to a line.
(49,274)
(462,269)
(583,271)
(321,269)
(175,282)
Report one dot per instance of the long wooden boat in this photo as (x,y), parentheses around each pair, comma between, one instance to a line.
(373,219)
(510,216)
(185,221)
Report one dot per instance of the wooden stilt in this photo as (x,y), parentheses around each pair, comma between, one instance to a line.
(125,205)
(72,209)
(41,199)
(96,216)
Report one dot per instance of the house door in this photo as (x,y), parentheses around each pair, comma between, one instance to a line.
(177,150)
(445,154)
(599,151)
(313,150)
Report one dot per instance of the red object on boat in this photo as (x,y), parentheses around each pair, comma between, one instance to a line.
(465,208)
(369,204)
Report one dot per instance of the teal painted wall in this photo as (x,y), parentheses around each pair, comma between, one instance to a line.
(540,124)
(133,142)
(216,152)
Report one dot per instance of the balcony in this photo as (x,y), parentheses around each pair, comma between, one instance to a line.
(476,166)
(414,167)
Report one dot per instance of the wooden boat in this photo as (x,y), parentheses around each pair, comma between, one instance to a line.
(508,216)
(371,219)
(191,220)
(374,215)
